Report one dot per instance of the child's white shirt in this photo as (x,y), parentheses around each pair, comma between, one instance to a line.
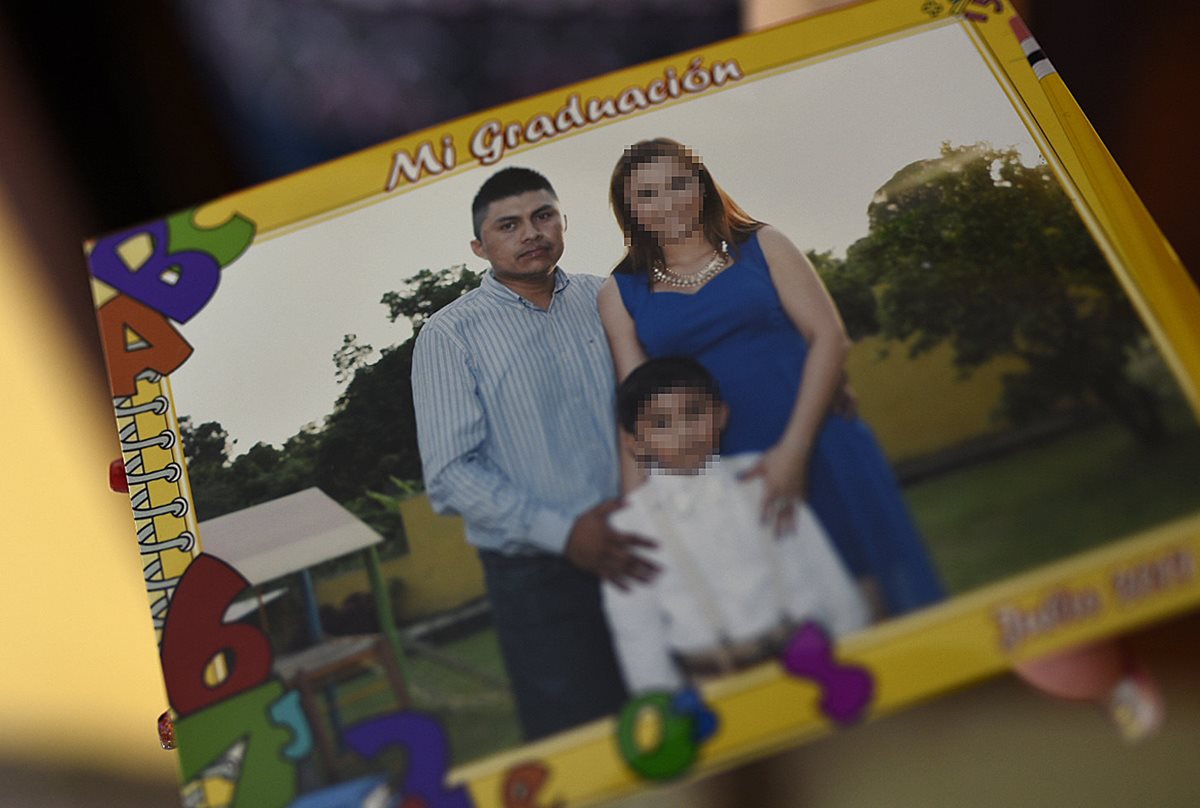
(710,538)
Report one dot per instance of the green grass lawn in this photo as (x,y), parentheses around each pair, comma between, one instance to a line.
(1087,488)
(480,718)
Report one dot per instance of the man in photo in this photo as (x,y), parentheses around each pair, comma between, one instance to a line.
(513,391)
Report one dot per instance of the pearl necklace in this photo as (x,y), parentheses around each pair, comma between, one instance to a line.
(663,273)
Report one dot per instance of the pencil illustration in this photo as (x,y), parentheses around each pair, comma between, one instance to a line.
(1119,206)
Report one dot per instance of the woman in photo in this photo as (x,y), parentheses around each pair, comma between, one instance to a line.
(702,279)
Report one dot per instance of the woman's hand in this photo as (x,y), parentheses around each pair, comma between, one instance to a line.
(784,472)
(845,401)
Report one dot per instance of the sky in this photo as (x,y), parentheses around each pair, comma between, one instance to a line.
(804,150)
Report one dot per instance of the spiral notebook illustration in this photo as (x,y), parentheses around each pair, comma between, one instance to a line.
(154,465)
(295,367)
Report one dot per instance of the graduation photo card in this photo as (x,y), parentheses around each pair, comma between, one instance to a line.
(652,424)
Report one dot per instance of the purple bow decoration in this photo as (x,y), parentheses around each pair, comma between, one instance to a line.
(846,690)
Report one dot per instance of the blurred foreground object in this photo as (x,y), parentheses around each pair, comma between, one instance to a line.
(1108,675)
(80,677)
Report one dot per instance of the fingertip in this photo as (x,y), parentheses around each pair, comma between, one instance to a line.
(646,572)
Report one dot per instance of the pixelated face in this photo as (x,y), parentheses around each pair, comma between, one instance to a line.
(522,236)
(666,199)
(679,430)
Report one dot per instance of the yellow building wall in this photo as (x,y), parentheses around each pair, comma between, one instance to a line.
(440,571)
(920,406)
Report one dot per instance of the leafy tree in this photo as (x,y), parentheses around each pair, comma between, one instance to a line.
(850,292)
(428,291)
(372,431)
(206,447)
(254,472)
(221,485)
(206,444)
(976,250)
(371,437)
(361,453)
(349,358)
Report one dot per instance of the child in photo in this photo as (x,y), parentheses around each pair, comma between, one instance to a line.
(730,590)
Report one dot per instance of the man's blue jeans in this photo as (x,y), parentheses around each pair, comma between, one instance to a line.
(555,641)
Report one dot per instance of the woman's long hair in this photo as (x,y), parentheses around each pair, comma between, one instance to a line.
(724,219)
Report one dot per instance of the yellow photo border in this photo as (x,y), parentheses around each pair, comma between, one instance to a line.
(1082,598)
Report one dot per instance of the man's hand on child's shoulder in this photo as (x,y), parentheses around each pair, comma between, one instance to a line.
(593,545)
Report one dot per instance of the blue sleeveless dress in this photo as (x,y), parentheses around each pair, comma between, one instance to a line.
(736,327)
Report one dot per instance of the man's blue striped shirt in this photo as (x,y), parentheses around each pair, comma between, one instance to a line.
(515,417)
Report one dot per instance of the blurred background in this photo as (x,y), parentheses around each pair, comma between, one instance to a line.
(115,113)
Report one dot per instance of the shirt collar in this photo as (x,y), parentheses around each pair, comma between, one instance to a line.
(502,292)
(684,477)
